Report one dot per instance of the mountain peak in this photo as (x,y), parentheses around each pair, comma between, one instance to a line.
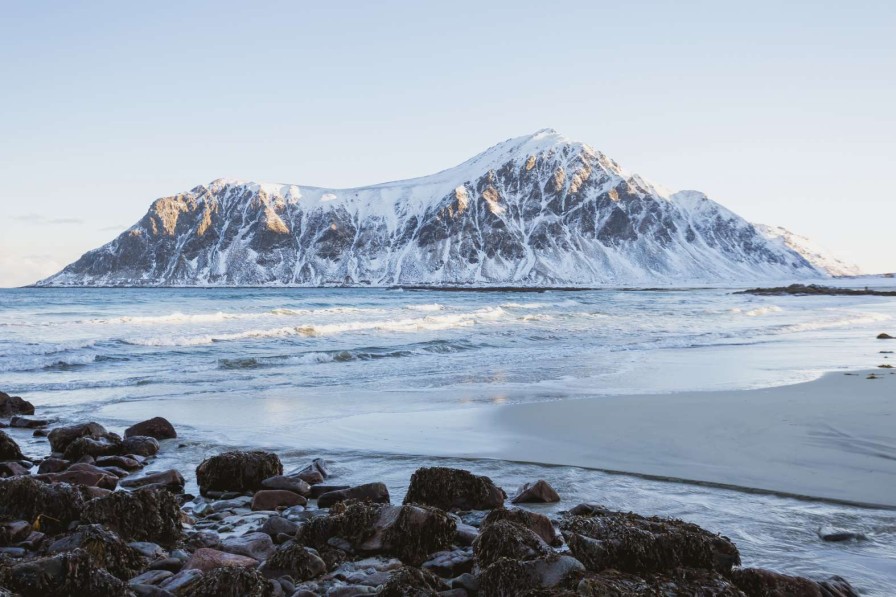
(535,210)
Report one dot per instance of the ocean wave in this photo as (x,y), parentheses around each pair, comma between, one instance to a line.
(429,307)
(838,322)
(758,311)
(417,324)
(366,353)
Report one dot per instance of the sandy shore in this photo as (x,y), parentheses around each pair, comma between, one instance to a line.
(831,438)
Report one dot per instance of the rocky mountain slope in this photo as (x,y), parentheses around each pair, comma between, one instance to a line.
(534,210)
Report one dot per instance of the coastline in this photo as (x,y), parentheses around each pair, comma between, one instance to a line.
(829,439)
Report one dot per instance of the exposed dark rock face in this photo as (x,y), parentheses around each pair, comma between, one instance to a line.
(448,488)
(157,427)
(376,493)
(537,492)
(536,210)
(14,405)
(142,515)
(237,471)
(9,449)
(61,437)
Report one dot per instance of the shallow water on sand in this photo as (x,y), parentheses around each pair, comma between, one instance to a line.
(310,356)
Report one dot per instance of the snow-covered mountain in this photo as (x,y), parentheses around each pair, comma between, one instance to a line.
(818,256)
(534,210)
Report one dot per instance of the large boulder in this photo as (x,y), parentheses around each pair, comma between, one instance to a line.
(448,488)
(505,539)
(64,575)
(230,582)
(104,547)
(142,515)
(508,577)
(681,581)
(171,480)
(538,492)
(61,437)
(157,427)
(376,493)
(293,484)
(140,445)
(540,524)
(755,582)
(9,449)
(408,581)
(51,507)
(296,561)
(14,405)
(107,445)
(273,499)
(237,471)
(409,532)
(602,539)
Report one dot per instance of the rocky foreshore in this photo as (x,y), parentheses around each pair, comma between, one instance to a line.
(87,519)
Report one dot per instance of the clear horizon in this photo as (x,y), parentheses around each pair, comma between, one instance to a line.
(781,113)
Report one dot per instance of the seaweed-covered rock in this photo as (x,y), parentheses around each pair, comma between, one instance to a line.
(412,582)
(512,578)
(755,582)
(142,515)
(230,582)
(237,471)
(637,544)
(540,524)
(157,428)
(448,488)
(104,547)
(409,532)
(64,575)
(294,560)
(9,449)
(61,437)
(681,581)
(14,405)
(51,507)
(505,539)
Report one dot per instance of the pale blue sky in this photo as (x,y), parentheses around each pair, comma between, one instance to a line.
(785,114)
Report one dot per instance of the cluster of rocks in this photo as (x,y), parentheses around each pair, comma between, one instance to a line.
(89,521)
(815,290)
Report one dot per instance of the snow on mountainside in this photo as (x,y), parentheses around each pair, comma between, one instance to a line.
(535,210)
(814,254)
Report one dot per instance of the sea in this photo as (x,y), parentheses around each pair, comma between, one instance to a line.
(297,360)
